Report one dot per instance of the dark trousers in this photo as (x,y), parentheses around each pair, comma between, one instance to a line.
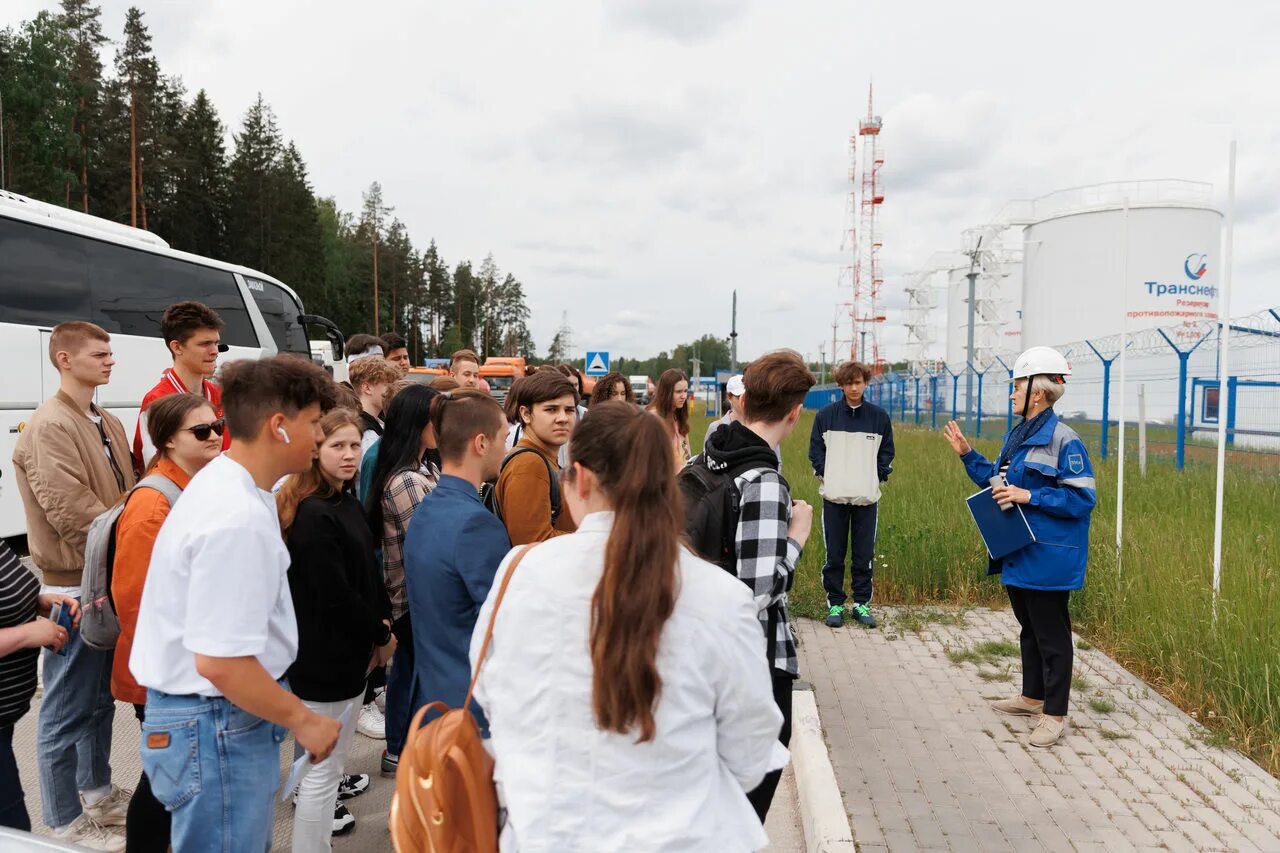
(1046,646)
(147,823)
(762,795)
(841,524)
(13,804)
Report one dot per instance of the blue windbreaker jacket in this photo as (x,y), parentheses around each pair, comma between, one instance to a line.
(1053,464)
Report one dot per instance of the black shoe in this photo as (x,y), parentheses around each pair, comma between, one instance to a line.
(343,821)
(835,616)
(353,786)
(390,764)
(862,614)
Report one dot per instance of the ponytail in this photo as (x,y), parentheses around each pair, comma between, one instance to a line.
(631,456)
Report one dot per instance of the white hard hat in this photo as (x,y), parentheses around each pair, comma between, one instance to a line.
(735,386)
(1039,361)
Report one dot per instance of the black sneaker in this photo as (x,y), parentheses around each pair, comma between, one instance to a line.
(343,821)
(390,764)
(862,614)
(353,786)
(835,616)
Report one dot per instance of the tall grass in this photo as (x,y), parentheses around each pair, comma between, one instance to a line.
(1150,607)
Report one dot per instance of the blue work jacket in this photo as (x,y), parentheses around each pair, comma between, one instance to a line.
(1053,464)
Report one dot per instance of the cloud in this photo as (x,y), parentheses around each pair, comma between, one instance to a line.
(620,136)
(685,21)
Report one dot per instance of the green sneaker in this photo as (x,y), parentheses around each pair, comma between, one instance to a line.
(835,617)
(862,614)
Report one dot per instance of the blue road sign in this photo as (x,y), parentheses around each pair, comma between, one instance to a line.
(597,363)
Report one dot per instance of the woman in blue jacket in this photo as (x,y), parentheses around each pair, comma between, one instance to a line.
(1046,469)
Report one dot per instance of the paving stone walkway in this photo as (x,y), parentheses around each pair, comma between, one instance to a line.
(924,764)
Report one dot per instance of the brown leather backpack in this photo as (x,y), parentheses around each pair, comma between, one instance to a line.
(445,798)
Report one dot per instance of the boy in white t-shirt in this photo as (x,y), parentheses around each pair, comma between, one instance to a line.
(216,629)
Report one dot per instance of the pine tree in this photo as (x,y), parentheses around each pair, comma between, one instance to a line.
(81,20)
(465,291)
(198,217)
(295,254)
(252,188)
(373,217)
(39,109)
(439,297)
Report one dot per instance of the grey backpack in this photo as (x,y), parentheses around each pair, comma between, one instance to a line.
(99,625)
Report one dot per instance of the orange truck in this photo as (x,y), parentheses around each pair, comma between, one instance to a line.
(500,372)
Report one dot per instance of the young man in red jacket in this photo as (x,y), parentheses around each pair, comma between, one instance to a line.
(193,333)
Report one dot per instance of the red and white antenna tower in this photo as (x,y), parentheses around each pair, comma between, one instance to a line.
(867,195)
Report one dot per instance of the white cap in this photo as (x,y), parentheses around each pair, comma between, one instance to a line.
(1041,361)
(735,386)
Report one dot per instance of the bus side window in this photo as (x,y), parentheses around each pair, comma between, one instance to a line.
(281,313)
(132,288)
(43,280)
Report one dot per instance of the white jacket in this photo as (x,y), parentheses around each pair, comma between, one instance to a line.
(569,786)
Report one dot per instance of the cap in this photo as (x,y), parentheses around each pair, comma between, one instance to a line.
(735,386)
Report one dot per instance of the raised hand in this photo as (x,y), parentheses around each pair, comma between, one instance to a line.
(956,438)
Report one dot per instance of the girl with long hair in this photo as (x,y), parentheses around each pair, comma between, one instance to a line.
(626,695)
(407,470)
(187,435)
(341,606)
(671,405)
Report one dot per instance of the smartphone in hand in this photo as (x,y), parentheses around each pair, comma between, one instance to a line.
(62,616)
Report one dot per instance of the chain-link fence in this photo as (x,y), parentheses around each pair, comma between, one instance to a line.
(1173,388)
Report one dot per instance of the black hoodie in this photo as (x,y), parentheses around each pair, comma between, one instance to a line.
(738,449)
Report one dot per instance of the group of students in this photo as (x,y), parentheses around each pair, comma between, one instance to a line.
(292,539)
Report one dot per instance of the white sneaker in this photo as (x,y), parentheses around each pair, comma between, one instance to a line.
(85,833)
(111,810)
(380,699)
(372,723)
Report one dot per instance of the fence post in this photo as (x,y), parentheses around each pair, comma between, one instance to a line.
(1106,394)
(979,412)
(1142,430)
(917,401)
(1009,412)
(955,393)
(1231,409)
(933,401)
(1183,358)
(903,399)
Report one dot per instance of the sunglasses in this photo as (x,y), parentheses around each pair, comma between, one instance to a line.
(202,431)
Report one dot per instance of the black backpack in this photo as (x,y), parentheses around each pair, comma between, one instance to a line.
(712,505)
(489,491)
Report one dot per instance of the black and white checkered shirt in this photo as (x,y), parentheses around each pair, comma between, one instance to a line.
(767,557)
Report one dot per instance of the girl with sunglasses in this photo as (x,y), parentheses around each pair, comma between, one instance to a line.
(187,436)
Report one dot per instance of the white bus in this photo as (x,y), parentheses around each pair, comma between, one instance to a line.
(58,265)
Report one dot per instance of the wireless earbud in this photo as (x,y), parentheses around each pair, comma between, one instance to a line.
(283,434)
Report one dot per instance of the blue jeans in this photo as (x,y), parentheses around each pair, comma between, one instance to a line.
(73,735)
(400,708)
(216,768)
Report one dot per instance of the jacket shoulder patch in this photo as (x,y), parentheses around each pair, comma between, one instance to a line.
(1075,463)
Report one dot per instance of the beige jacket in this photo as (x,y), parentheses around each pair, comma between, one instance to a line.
(66,481)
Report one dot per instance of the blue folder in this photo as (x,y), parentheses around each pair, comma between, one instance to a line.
(1003,531)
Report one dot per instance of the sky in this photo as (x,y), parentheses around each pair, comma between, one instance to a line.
(633,163)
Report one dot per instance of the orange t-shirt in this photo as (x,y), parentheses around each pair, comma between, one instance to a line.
(136,532)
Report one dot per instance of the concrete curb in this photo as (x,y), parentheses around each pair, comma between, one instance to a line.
(822,813)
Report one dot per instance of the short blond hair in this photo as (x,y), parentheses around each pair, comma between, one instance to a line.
(372,370)
(71,337)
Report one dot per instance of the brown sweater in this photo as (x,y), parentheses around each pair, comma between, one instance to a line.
(66,481)
(524,494)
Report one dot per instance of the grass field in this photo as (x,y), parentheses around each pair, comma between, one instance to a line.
(1150,609)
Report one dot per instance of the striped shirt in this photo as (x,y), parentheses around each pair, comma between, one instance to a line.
(19,591)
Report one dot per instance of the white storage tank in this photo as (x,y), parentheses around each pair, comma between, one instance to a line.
(1075,287)
(957,316)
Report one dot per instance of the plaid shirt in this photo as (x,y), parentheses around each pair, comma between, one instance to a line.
(400,499)
(767,557)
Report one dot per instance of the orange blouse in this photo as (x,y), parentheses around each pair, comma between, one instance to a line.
(136,533)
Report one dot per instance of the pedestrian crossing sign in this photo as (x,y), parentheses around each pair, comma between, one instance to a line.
(597,363)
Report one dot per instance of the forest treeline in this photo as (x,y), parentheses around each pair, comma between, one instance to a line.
(129,143)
